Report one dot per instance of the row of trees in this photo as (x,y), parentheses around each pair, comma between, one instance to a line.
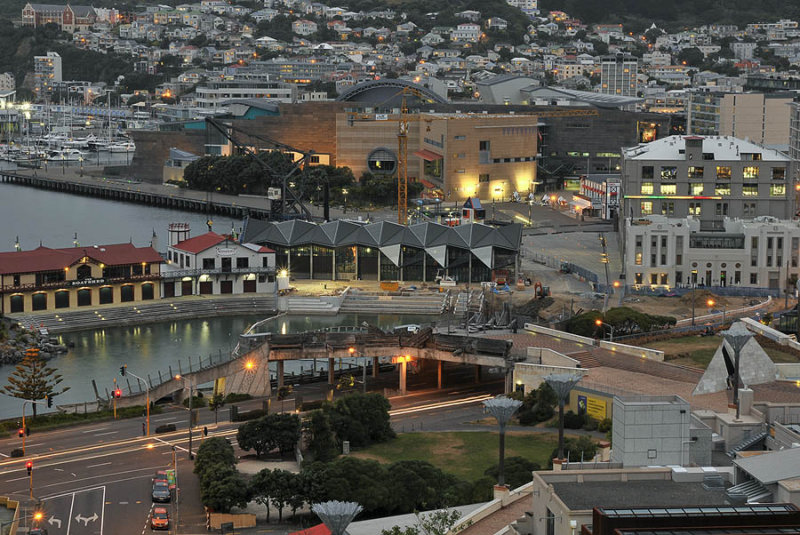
(243,174)
(221,486)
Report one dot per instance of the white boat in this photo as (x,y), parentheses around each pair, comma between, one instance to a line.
(122,146)
(65,155)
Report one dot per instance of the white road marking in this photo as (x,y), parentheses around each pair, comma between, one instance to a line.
(69,517)
(103,511)
(107,433)
(169,419)
(58,469)
(18,479)
(95,429)
(4,455)
(97,465)
(123,503)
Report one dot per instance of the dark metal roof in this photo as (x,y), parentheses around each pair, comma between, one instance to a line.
(381,91)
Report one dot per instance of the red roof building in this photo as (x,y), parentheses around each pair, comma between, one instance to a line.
(46,279)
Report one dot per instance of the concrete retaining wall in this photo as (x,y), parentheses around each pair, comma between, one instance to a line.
(636,351)
(790,371)
(537,329)
(549,357)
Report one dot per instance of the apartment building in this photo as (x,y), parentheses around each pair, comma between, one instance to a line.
(46,72)
(759,117)
(706,177)
(213,95)
(618,75)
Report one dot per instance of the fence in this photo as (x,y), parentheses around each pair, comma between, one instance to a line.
(732,291)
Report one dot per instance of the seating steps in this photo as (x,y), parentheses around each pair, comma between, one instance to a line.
(746,444)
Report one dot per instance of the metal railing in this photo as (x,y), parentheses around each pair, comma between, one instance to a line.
(170,274)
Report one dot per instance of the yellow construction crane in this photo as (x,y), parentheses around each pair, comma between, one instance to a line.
(403,121)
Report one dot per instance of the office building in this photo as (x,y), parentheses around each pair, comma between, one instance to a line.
(706,177)
(618,75)
(665,253)
(47,71)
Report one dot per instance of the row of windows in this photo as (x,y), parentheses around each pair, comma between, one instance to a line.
(695,208)
(749,189)
(723,172)
(83,297)
(773,254)
(226,262)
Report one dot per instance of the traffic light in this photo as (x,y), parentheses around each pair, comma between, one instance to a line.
(122,369)
(49,401)
(29,466)
(117,393)
(21,432)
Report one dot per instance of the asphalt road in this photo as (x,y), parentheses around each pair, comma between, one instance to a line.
(96,479)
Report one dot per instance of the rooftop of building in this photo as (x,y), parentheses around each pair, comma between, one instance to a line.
(46,259)
(771,467)
(644,493)
(601,100)
(724,148)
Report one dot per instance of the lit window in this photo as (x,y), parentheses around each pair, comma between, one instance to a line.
(722,188)
(723,172)
(750,189)
(750,172)
(669,189)
(647,207)
(696,188)
(777,190)
(647,188)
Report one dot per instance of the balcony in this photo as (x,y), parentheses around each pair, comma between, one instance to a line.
(66,284)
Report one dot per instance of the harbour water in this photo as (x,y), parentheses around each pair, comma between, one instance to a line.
(148,349)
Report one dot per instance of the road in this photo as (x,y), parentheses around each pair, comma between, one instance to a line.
(96,479)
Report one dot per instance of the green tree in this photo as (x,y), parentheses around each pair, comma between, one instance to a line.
(214,451)
(226,490)
(362,419)
(438,522)
(517,471)
(582,448)
(216,402)
(691,56)
(34,380)
(322,442)
(281,431)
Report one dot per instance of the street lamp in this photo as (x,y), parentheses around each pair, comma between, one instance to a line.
(737,337)
(123,370)
(600,323)
(191,406)
(336,515)
(502,408)
(562,384)
(344,193)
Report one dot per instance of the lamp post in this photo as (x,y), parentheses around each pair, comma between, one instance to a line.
(737,337)
(336,515)
(502,408)
(191,411)
(562,384)
(600,323)
(147,409)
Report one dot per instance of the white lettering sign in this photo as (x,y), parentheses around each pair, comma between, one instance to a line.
(225,251)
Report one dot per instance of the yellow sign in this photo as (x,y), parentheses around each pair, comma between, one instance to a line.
(596,408)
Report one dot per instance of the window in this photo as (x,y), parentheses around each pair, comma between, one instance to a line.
(647,207)
(483,145)
(461,155)
(638,260)
(669,189)
(483,177)
(315,159)
(708,155)
(668,208)
(664,279)
(242,262)
(209,263)
(721,208)
(749,209)
(777,190)
(696,188)
(750,189)
(637,278)
(695,172)
(694,208)
(778,173)
(647,188)
(647,171)
(669,173)
(722,188)
(723,172)
(754,278)
(750,171)
(459,138)
(753,251)
(654,278)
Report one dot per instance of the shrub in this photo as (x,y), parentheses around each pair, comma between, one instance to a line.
(312,405)
(250,415)
(165,428)
(517,471)
(197,401)
(573,420)
(590,425)
(604,426)
(235,397)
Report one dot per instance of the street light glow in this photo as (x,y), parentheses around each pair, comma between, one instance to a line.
(249,365)
(710,303)
(598,322)
(38,515)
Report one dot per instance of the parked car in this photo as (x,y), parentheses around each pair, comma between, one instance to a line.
(160,518)
(161,492)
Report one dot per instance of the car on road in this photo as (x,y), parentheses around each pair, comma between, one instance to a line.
(160,518)
(37,531)
(165,476)
(161,492)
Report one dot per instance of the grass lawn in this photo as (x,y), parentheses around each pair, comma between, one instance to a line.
(701,350)
(465,454)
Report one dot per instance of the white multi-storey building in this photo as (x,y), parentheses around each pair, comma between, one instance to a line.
(618,75)
(47,70)
(467,32)
(667,252)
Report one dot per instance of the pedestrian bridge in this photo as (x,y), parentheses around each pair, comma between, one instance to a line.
(250,372)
